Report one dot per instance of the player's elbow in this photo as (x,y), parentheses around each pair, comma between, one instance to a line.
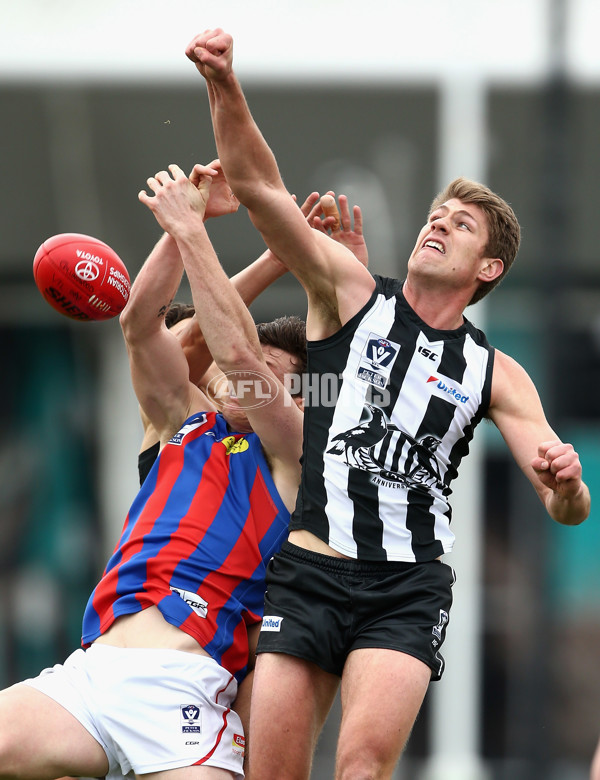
(239,358)
(135,326)
(129,323)
(257,194)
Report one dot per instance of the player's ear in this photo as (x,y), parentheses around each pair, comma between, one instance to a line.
(490,269)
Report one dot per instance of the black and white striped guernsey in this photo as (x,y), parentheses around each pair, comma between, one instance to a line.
(390,408)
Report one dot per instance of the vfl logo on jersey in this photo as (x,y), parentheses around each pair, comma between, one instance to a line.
(193,600)
(190,719)
(232,446)
(183,432)
(361,447)
(446,387)
(377,360)
(271,623)
(238,745)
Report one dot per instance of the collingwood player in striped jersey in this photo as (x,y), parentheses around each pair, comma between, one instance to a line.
(397,381)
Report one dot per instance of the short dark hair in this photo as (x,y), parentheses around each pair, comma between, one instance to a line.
(178,311)
(289,334)
(503,227)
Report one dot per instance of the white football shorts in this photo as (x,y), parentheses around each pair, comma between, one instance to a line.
(150,709)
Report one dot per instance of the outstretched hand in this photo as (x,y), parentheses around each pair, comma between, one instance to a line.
(338,224)
(212,53)
(221,199)
(177,200)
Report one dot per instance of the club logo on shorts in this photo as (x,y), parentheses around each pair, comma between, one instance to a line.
(437,630)
(190,719)
(238,745)
(271,623)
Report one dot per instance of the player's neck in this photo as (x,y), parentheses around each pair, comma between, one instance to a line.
(441,309)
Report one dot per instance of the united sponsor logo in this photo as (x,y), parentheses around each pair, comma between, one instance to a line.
(271,623)
(452,391)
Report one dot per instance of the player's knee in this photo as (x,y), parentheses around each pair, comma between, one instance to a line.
(361,764)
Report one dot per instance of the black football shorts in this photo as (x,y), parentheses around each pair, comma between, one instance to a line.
(321,608)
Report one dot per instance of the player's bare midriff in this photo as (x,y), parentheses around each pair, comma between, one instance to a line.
(149,629)
(309,541)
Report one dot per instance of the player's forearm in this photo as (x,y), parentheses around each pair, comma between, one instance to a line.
(153,289)
(255,278)
(569,509)
(247,159)
(225,321)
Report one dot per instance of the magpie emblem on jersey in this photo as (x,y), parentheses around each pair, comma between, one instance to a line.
(377,360)
(378,446)
(190,719)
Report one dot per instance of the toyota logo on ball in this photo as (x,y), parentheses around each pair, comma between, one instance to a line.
(87,271)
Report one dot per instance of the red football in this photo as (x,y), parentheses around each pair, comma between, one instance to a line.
(81,277)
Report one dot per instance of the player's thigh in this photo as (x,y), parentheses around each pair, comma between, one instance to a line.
(382,693)
(241,703)
(40,739)
(291,698)
(290,687)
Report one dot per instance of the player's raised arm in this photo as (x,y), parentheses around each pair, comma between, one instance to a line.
(229,329)
(336,284)
(159,361)
(159,370)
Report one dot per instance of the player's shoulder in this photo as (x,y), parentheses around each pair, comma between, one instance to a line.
(506,367)
(510,380)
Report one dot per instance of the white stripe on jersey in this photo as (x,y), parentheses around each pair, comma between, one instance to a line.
(347,415)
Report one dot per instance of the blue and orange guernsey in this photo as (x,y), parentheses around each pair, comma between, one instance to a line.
(196,541)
